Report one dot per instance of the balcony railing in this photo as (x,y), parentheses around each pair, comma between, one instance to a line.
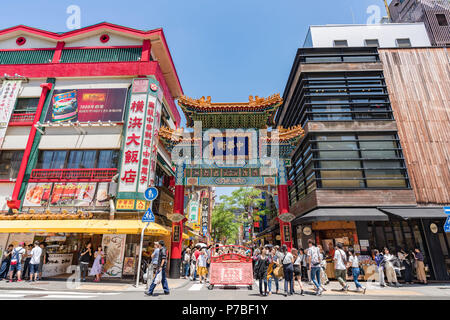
(21,118)
(73,174)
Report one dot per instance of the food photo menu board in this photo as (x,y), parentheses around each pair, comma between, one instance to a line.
(66,194)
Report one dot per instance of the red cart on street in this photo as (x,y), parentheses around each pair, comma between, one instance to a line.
(232,267)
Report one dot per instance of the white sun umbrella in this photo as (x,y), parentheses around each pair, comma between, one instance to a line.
(201,245)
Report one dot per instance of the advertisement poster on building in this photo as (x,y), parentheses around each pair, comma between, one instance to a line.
(37,194)
(87,105)
(128,266)
(8,96)
(73,194)
(114,246)
(101,199)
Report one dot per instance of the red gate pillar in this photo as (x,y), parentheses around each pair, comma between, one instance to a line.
(177,227)
(283,206)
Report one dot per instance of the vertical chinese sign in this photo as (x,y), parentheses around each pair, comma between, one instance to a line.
(8,97)
(140,145)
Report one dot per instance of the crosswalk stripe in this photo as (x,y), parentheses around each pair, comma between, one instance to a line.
(64,296)
(196,287)
(11,296)
(30,292)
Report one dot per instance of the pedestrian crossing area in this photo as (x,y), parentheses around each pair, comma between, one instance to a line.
(58,295)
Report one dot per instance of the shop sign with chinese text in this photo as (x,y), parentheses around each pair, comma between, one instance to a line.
(138,165)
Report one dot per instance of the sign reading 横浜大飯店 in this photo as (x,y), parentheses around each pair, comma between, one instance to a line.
(140,144)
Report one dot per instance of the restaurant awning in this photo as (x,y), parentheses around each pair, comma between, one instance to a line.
(82,226)
(342,214)
(416,213)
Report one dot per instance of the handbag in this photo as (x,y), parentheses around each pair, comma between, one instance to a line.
(278,271)
(157,278)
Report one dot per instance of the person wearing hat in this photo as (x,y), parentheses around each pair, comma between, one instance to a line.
(15,264)
(162,263)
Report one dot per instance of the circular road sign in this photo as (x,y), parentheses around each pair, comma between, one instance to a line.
(151,193)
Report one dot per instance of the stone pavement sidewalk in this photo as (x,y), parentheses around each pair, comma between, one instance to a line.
(373,289)
(106,286)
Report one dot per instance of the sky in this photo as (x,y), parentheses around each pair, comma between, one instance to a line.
(226,49)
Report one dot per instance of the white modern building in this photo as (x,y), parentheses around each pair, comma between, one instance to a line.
(387,35)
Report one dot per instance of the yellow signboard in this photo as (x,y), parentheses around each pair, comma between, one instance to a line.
(125,204)
(140,205)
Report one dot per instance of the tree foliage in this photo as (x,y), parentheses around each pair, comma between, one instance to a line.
(244,205)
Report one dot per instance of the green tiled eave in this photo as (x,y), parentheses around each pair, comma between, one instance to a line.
(26,56)
(100,55)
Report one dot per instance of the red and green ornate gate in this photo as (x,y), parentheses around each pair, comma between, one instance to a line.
(231,144)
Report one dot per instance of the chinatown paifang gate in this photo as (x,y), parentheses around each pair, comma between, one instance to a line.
(231,144)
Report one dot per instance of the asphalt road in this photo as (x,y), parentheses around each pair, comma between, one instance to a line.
(200,292)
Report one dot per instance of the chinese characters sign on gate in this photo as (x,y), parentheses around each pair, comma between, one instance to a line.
(140,143)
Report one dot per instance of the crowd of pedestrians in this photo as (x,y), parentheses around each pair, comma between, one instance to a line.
(23,262)
(274,264)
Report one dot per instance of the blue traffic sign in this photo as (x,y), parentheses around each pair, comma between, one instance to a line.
(447,223)
(148,216)
(151,193)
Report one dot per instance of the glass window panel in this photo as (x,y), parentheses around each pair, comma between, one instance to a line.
(5,164)
(332,145)
(360,59)
(335,138)
(400,183)
(26,105)
(335,116)
(343,183)
(15,163)
(377,137)
(377,144)
(75,158)
(380,154)
(312,187)
(46,159)
(338,154)
(59,159)
(382,164)
(341,174)
(340,164)
(89,159)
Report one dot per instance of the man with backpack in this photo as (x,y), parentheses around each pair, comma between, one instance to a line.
(15,264)
(340,262)
(314,260)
